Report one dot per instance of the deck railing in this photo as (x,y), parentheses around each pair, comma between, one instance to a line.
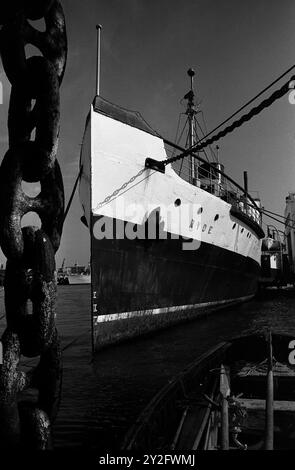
(211,178)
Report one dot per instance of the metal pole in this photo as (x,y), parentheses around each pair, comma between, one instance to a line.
(246,182)
(246,190)
(224,425)
(98,29)
(269,400)
(225,392)
(191,114)
(191,74)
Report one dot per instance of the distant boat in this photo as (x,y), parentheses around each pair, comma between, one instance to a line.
(239,395)
(73,274)
(275,263)
(79,278)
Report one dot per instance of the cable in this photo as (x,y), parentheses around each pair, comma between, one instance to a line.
(264,211)
(179,139)
(252,99)
(73,193)
(206,129)
(197,122)
(177,130)
(280,222)
(246,117)
(277,215)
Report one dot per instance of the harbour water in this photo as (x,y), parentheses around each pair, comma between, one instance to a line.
(102,397)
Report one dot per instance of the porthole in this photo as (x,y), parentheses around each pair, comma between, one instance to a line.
(216,217)
(200,210)
(242,230)
(234,226)
(177,202)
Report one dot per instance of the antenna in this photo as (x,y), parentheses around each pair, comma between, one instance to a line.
(98,29)
(191,107)
(191,74)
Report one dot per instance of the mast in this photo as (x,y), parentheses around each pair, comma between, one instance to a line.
(190,112)
(98,30)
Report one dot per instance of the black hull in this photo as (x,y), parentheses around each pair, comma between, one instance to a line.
(143,285)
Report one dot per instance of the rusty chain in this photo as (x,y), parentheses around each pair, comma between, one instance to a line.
(29,401)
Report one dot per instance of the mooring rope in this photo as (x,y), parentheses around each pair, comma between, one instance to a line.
(73,193)
(236,124)
(250,101)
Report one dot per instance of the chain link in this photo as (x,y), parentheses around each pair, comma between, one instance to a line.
(119,191)
(29,401)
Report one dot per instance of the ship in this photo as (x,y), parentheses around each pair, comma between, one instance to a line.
(163,249)
(73,274)
(275,264)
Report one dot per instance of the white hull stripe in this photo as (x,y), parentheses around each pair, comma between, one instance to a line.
(156,311)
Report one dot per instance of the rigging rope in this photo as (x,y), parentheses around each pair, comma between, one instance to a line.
(252,100)
(73,193)
(206,129)
(277,215)
(280,222)
(246,117)
(266,212)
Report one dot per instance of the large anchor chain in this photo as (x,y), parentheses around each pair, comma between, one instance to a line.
(29,400)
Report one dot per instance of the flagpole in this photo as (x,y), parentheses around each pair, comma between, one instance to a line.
(98,29)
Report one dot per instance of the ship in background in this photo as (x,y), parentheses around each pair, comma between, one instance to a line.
(77,274)
(289,216)
(275,263)
(205,248)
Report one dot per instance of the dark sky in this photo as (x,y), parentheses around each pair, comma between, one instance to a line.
(237,47)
